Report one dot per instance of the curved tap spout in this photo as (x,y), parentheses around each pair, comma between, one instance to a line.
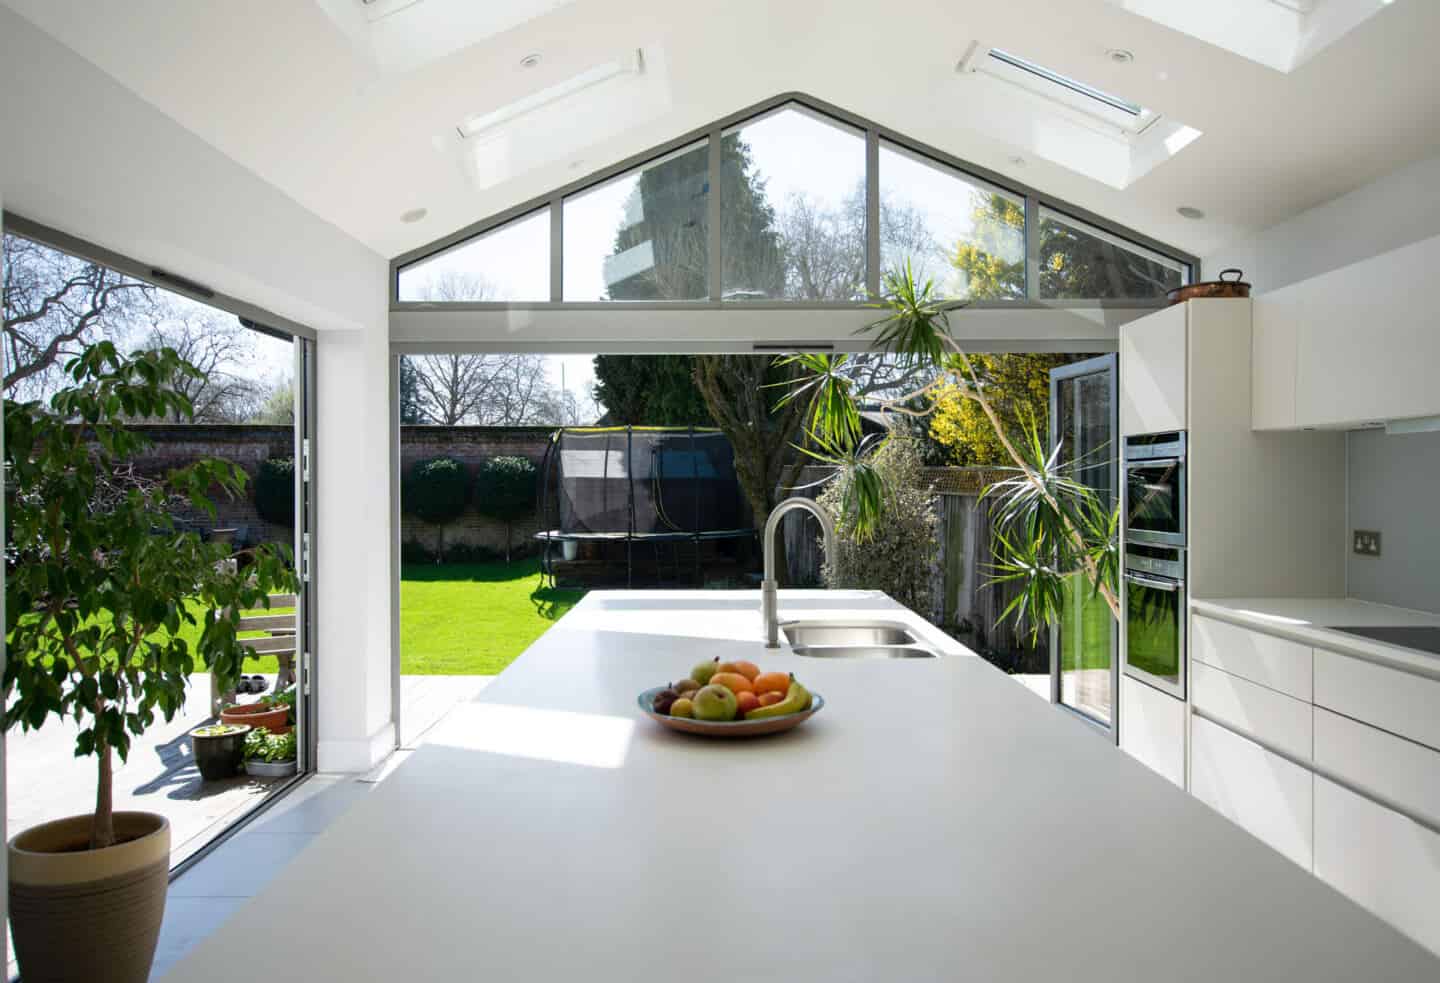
(769,589)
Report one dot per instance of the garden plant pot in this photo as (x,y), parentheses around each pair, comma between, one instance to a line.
(274,719)
(81,914)
(270,769)
(219,755)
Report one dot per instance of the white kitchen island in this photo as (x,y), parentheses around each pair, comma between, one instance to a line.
(934,821)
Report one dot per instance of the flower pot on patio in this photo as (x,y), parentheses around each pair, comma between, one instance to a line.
(82,914)
(273,718)
(219,749)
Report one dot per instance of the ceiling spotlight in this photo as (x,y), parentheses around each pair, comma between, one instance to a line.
(1120,56)
(1188,211)
(1017,160)
(530,60)
(413,215)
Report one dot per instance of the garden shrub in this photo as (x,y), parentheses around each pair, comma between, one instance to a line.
(505,490)
(435,491)
(900,558)
(275,491)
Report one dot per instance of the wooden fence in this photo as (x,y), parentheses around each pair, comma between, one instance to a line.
(966,605)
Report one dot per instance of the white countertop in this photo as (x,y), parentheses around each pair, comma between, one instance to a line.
(1307,620)
(934,821)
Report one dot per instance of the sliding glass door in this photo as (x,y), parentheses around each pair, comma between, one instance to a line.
(1084,426)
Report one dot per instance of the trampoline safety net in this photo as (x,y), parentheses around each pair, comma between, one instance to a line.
(637,486)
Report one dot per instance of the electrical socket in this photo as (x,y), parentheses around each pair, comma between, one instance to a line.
(1367,542)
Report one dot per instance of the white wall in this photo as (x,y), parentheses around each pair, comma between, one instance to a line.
(1395,488)
(82,154)
(1394,211)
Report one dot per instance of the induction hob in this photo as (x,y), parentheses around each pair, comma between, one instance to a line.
(1424,638)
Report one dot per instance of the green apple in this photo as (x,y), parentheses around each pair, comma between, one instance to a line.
(702,673)
(715,703)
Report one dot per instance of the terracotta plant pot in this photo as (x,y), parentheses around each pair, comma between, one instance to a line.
(80,914)
(219,755)
(273,719)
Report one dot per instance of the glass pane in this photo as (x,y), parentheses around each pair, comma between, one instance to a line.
(1079,261)
(967,237)
(1152,628)
(642,236)
(792,207)
(510,263)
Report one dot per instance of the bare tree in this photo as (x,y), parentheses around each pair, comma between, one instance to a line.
(216,344)
(54,304)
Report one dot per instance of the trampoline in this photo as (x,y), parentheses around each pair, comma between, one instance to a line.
(651,493)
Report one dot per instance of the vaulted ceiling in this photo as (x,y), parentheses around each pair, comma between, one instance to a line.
(351,107)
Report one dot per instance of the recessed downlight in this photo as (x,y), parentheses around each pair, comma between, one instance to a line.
(413,215)
(1017,161)
(1188,211)
(530,60)
(1120,56)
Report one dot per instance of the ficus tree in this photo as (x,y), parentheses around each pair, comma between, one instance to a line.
(1048,525)
(104,584)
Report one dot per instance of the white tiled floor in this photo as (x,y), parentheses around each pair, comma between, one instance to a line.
(206,895)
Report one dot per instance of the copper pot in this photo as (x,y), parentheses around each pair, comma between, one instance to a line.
(1232,287)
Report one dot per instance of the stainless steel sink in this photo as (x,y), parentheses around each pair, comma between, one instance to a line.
(854,640)
(864,652)
(812,633)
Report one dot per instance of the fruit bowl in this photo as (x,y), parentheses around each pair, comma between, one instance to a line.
(728,728)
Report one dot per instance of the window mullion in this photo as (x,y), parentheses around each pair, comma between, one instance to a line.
(872,213)
(712,205)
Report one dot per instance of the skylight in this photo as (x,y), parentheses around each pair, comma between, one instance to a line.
(1085,90)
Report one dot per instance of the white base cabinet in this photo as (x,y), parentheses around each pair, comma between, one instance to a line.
(1260,792)
(1386,863)
(1152,728)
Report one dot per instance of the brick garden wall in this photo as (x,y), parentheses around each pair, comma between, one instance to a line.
(174,446)
(471,446)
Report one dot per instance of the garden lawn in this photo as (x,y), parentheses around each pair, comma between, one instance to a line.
(474,618)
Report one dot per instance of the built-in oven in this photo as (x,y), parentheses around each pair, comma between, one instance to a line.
(1155,616)
(1155,489)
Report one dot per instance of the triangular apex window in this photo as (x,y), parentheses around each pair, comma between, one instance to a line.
(776,207)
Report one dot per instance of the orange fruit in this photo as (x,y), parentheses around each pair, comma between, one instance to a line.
(769,697)
(732,681)
(747,669)
(767,682)
(747,701)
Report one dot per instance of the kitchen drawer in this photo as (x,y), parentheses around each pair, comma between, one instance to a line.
(1401,702)
(1272,718)
(1277,663)
(1152,728)
(1384,862)
(1402,772)
(1261,792)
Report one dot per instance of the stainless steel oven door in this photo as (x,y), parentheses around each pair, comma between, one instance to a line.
(1155,501)
(1155,631)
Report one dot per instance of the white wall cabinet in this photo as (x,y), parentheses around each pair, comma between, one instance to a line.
(1385,862)
(1152,728)
(1349,347)
(1257,790)
(1153,372)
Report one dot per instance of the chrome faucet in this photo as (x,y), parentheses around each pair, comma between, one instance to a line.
(769,598)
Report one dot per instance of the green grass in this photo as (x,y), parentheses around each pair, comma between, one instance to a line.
(474,618)
(1089,647)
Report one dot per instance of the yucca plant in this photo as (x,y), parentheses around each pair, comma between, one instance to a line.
(1048,526)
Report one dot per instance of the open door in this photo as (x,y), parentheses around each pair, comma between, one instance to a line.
(1084,647)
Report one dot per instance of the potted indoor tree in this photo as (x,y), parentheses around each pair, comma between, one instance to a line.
(102,586)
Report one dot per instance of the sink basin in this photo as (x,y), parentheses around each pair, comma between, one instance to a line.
(864,652)
(814,633)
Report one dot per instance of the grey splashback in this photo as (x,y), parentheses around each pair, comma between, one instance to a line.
(1394,487)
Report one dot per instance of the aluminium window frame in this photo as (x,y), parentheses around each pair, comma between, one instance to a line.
(872,132)
(305,339)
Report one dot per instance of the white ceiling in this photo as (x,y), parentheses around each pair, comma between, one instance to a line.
(294,94)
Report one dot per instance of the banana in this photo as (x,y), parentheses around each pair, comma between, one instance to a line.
(797,698)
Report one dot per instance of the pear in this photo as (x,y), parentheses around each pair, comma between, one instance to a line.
(702,672)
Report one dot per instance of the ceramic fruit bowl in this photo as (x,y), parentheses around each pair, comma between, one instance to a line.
(728,728)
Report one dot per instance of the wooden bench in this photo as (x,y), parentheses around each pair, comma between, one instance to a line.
(279,642)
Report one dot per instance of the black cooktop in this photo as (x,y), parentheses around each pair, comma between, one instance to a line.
(1424,638)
